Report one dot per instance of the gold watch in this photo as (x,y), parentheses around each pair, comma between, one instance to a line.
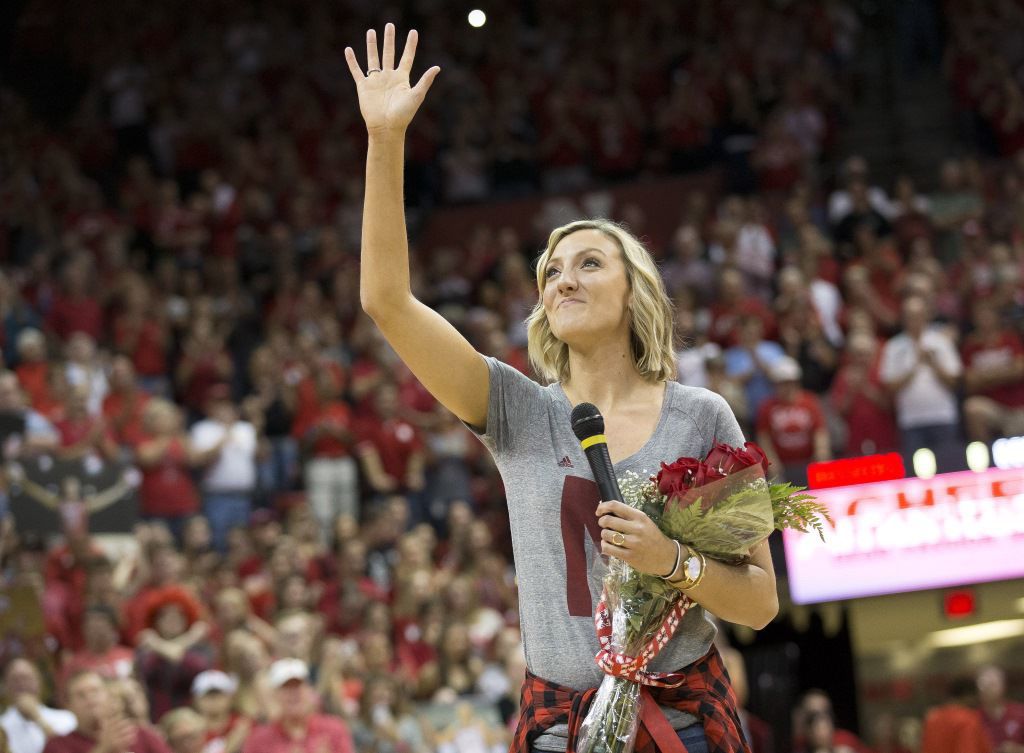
(694,566)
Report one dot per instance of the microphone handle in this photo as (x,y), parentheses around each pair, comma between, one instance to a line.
(604,475)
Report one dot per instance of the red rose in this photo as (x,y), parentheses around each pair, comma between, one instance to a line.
(759,455)
(732,459)
(676,478)
(706,473)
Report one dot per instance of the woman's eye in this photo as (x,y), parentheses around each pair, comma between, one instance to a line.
(550,272)
(592,262)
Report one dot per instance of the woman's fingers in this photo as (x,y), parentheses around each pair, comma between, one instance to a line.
(388,61)
(409,53)
(614,551)
(616,538)
(372,58)
(423,85)
(614,523)
(353,64)
(613,507)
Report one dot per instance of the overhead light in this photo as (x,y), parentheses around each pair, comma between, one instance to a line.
(924,464)
(1008,452)
(972,634)
(977,457)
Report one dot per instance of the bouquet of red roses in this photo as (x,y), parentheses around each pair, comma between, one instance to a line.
(723,506)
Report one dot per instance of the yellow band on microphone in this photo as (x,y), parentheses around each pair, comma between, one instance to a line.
(591,441)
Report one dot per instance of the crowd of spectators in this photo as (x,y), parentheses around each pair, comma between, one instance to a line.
(319,540)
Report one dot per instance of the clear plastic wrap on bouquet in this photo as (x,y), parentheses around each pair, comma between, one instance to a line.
(638,605)
(723,518)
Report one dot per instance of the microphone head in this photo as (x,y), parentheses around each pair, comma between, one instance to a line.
(586,421)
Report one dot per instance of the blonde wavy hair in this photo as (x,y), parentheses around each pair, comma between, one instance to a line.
(651,317)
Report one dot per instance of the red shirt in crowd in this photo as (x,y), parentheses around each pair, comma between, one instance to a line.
(70,315)
(33,378)
(206,373)
(75,430)
(1003,352)
(326,445)
(145,742)
(725,320)
(307,404)
(1008,727)
(791,426)
(144,343)
(395,441)
(871,428)
(124,416)
(324,734)
(167,487)
(220,735)
(954,729)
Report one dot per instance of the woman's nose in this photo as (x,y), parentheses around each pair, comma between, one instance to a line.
(566,283)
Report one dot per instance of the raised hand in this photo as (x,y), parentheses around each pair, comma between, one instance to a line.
(386,100)
(116,736)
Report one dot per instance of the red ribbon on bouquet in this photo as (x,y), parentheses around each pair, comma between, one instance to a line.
(634,669)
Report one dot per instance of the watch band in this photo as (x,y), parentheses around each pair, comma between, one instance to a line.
(687,582)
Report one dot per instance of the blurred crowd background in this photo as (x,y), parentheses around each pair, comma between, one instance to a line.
(180,200)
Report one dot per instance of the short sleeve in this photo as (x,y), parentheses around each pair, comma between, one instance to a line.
(887,364)
(62,722)
(727,428)
(204,435)
(511,400)
(950,358)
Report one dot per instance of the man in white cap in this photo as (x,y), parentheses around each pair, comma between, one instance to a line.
(213,695)
(791,425)
(298,729)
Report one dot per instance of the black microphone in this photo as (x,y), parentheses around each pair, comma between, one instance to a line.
(588,426)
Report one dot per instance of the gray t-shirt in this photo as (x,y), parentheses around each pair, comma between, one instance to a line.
(551,502)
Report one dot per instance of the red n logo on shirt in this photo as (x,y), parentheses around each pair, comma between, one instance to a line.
(579,503)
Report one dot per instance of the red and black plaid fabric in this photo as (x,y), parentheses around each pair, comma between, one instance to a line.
(706,693)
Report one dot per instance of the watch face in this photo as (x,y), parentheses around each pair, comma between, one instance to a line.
(692,568)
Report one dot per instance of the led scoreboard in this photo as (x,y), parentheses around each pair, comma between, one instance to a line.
(893,534)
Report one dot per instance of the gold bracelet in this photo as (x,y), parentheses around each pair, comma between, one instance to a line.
(683,584)
(703,569)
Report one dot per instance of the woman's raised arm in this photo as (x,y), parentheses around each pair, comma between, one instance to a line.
(436,353)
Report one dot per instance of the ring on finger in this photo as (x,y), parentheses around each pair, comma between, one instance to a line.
(373,70)
(618,538)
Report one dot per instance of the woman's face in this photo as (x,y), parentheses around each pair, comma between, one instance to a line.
(295,594)
(165,422)
(214,704)
(171,622)
(231,609)
(586,291)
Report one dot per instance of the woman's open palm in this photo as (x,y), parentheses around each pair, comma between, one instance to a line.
(386,100)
